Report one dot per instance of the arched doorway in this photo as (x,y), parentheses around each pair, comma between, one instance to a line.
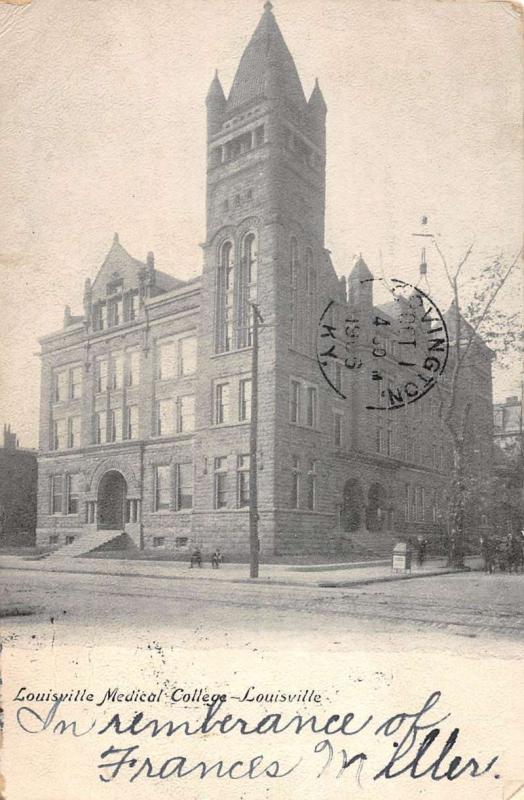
(352,505)
(377,507)
(112,491)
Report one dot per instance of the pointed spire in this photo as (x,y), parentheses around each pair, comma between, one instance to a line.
(361,270)
(316,101)
(116,240)
(215,91)
(216,103)
(266,67)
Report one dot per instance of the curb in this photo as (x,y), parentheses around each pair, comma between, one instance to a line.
(392,578)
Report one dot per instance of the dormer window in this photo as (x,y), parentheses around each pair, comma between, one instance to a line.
(115,311)
(132,306)
(115,285)
(100,316)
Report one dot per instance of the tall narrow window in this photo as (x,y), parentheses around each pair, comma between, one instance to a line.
(184,486)
(57,484)
(246,289)
(221,403)
(337,378)
(73,431)
(220,482)
(73,490)
(337,428)
(164,417)
(132,306)
(244,400)
(101,427)
(406,502)
(187,356)
(293,310)
(133,370)
(224,298)
(294,402)
(162,477)
(101,375)
(75,383)
(60,389)
(59,434)
(132,422)
(311,406)
(117,371)
(243,468)
(295,482)
(389,441)
(115,424)
(185,408)
(312,486)
(311,290)
(166,360)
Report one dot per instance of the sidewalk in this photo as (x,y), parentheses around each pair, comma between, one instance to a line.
(324,576)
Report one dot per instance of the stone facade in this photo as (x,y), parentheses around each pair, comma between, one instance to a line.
(152,382)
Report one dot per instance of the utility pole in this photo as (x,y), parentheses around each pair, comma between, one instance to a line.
(254,543)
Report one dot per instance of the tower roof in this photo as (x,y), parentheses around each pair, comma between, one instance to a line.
(266,66)
(361,270)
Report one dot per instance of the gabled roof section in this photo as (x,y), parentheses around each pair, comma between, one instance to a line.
(266,67)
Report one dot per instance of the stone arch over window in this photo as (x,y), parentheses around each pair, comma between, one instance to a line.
(247,277)
(225,296)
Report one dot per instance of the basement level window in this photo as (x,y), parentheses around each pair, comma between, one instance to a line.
(159,541)
(53,539)
(69,539)
(181,541)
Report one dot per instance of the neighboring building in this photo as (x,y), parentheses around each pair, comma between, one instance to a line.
(145,408)
(507,433)
(508,507)
(18,469)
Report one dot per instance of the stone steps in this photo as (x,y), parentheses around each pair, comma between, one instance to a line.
(86,544)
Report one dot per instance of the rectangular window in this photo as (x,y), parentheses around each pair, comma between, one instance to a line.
(57,483)
(100,316)
(420,503)
(312,486)
(187,356)
(337,429)
(166,361)
(132,510)
(75,383)
(379,440)
(294,402)
(101,375)
(243,470)
(184,486)
(115,311)
(132,306)
(59,434)
(221,403)
(60,391)
(132,422)
(159,541)
(337,379)
(164,417)
(244,400)
(117,371)
(73,490)
(389,442)
(311,406)
(53,539)
(162,487)
(133,368)
(101,427)
(406,502)
(115,425)
(185,414)
(220,482)
(73,431)
(295,482)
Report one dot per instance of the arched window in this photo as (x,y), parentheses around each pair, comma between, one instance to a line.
(293,310)
(224,298)
(246,289)
(311,301)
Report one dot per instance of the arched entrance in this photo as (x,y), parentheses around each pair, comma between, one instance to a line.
(377,507)
(352,505)
(112,491)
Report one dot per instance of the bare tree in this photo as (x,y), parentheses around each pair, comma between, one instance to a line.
(478,326)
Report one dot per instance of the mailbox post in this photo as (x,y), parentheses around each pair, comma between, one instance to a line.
(401,558)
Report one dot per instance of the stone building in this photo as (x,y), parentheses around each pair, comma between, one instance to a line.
(18,470)
(145,406)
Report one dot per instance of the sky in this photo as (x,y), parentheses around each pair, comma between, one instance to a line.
(103,130)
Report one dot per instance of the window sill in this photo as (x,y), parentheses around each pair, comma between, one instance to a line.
(248,348)
(304,427)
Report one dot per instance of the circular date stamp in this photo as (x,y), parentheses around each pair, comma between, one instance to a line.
(393,354)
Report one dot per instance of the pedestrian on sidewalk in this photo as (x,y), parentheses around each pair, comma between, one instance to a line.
(421,545)
(487,550)
(196,558)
